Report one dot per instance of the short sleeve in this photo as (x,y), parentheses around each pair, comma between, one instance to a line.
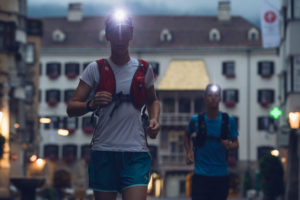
(149,77)
(91,75)
(191,128)
(233,128)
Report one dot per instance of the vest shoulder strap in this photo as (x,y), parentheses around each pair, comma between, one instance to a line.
(107,78)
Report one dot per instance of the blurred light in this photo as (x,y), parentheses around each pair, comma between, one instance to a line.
(283,160)
(275,153)
(294,120)
(63,132)
(275,112)
(150,184)
(45,120)
(17,125)
(120,15)
(157,187)
(1,115)
(40,162)
(33,158)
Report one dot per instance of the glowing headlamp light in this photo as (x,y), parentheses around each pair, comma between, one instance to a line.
(119,16)
(214,89)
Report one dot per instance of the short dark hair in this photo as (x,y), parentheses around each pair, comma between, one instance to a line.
(208,89)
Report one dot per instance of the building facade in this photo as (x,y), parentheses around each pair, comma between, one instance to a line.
(187,53)
(20,41)
(289,92)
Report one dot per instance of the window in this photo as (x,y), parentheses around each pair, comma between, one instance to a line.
(184,105)
(34,27)
(68,95)
(102,36)
(72,70)
(262,151)
(168,105)
(266,68)
(69,153)
(85,65)
(51,152)
(265,123)
(265,97)
(85,152)
(29,93)
(214,35)
(87,126)
(71,124)
(55,123)
(230,97)
(7,36)
(52,97)
(155,66)
(2,32)
(30,54)
(165,35)
(182,187)
(164,139)
(58,36)
(228,69)
(41,68)
(28,135)
(199,105)
(53,70)
(253,34)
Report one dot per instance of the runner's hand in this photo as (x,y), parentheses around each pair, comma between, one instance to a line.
(153,128)
(189,157)
(101,99)
(226,144)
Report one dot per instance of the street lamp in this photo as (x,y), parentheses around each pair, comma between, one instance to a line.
(294,120)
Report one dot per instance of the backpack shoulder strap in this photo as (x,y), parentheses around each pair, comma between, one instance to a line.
(107,78)
(225,126)
(138,86)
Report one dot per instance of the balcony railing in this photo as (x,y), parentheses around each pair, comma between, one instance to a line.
(177,159)
(175,119)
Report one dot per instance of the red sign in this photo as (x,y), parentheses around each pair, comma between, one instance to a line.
(270,17)
(14,156)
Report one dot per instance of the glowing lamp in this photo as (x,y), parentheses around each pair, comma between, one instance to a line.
(294,120)
(45,120)
(63,132)
(275,153)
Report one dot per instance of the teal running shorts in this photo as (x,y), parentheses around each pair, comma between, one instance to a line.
(111,171)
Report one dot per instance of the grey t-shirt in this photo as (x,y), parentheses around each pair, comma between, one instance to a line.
(123,131)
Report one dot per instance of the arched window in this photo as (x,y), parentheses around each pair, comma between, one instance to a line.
(165,35)
(102,37)
(253,34)
(58,36)
(214,35)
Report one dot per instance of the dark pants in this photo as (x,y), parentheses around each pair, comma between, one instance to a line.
(210,187)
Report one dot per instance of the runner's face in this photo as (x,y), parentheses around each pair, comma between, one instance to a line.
(119,37)
(212,99)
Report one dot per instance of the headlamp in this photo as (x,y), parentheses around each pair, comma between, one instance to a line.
(214,88)
(119,18)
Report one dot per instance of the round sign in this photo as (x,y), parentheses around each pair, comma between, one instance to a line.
(270,17)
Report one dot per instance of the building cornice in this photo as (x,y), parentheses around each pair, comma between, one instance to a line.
(182,51)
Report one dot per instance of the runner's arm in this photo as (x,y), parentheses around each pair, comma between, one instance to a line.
(77,106)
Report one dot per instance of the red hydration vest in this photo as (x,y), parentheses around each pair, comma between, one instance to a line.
(138,93)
